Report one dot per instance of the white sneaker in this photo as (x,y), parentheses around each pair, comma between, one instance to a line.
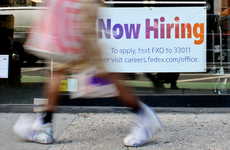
(146,124)
(32,129)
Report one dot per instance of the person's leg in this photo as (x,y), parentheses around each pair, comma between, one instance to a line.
(51,90)
(156,82)
(126,94)
(41,127)
(174,77)
(146,122)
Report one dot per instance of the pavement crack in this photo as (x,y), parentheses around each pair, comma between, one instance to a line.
(62,134)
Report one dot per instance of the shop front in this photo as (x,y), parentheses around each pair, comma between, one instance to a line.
(175,53)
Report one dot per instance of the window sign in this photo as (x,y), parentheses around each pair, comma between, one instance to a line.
(4,66)
(170,39)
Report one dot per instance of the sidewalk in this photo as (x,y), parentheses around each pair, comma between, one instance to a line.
(85,131)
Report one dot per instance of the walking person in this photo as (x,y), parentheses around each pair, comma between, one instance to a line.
(40,129)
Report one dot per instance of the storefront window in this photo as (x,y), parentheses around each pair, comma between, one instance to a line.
(214,80)
(22,75)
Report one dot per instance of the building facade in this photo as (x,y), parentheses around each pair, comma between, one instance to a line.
(203,79)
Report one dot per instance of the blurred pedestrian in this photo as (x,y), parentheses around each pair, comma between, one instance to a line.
(170,78)
(159,79)
(156,82)
(40,129)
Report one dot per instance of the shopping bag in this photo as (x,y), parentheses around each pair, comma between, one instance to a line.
(92,86)
(56,31)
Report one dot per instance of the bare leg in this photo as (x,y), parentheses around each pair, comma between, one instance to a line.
(146,122)
(126,96)
(51,90)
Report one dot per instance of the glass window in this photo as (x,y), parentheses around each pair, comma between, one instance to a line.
(22,75)
(25,73)
(215,79)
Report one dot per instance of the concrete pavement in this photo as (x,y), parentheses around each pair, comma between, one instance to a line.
(84,131)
